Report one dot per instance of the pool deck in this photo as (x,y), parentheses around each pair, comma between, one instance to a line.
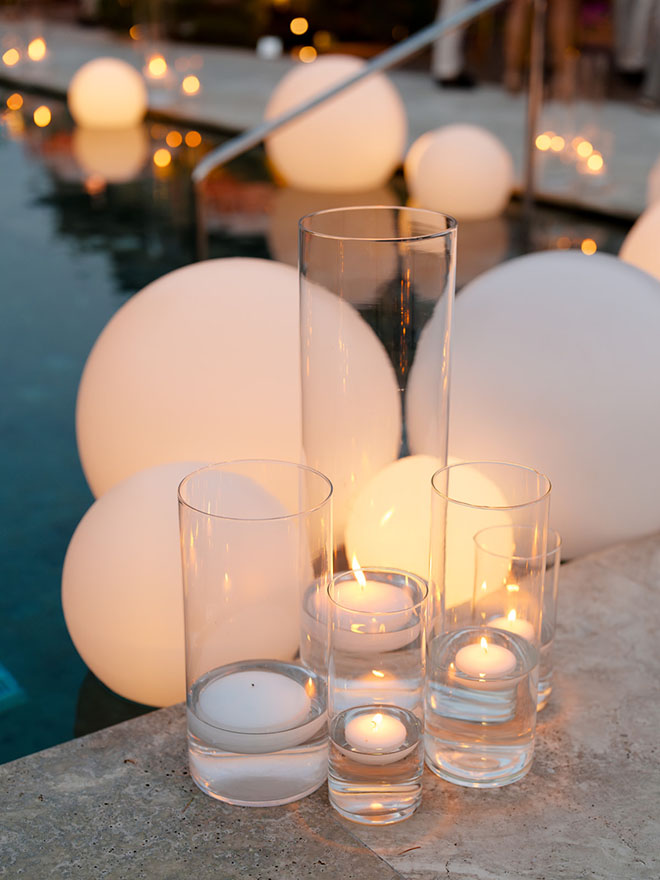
(236,85)
(120,803)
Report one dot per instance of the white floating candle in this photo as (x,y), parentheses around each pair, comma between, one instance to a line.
(514,624)
(255,711)
(485,660)
(377,738)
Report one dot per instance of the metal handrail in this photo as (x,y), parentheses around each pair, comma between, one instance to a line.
(390,57)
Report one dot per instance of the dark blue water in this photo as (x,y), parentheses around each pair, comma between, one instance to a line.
(70,254)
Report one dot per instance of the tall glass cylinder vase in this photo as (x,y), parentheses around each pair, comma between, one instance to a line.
(376,288)
(488,546)
(255,538)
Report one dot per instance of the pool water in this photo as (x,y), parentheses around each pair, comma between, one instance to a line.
(73,249)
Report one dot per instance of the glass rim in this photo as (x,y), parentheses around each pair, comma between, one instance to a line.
(519,556)
(243,461)
(452,224)
(421,584)
(507,464)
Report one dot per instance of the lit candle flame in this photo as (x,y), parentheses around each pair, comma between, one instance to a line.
(513,588)
(484,645)
(359,574)
(310,688)
(378,673)
(511,615)
(377,720)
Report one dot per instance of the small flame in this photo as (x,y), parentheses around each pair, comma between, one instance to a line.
(511,615)
(377,720)
(357,571)
(513,588)
(484,586)
(484,645)
(378,673)
(310,688)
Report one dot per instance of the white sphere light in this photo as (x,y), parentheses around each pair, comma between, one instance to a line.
(203,364)
(462,170)
(353,142)
(390,523)
(554,367)
(352,428)
(116,156)
(107,93)
(640,247)
(121,588)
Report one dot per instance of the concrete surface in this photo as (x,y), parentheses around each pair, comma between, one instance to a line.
(120,803)
(236,85)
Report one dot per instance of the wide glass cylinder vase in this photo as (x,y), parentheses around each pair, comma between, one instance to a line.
(255,538)
(376,294)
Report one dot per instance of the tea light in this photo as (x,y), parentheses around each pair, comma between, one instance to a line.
(513,624)
(378,737)
(485,660)
(256,711)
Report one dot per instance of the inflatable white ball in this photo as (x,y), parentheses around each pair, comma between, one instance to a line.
(640,247)
(122,589)
(353,142)
(107,93)
(462,170)
(556,365)
(116,156)
(203,364)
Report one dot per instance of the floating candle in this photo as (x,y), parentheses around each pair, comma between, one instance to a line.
(485,660)
(512,623)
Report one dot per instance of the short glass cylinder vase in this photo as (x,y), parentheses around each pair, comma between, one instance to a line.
(375,694)
(488,546)
(255,536)
(376,295)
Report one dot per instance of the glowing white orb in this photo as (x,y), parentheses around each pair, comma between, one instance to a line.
(556,364)
(462,170)
(203,364)
(107,93)
(640,246)
(390,523)
(351,407)
(353,142)
(122,591)
(116,156)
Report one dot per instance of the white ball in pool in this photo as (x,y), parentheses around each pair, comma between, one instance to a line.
(353,142)
(116,156)
(351,399)
(107,93)
(640,246)
(556,365)
(462,170)
(390,523)
(203,364)
(122,589)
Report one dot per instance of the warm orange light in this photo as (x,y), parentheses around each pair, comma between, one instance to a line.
(357,571)
(323,39)
(134,32)
(11,57)
(511,616)
(15,101)
(157,66)
(162,158)
(543,142)
(513,588)
(299,26)
(42,116)
(588,247)
(595,162)
(310,688)
(94,184)
(377,720)
(557,143)
(190,85)
(307,54)
(484,645)
(37,49)
(193,139)
(584,149)
(174,139)
(378,673)
(563,242)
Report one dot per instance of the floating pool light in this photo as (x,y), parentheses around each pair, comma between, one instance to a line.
(122,591)
(202,364)
(552,365)
(115,156)
(107,93)
(353,142)
(462,170)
